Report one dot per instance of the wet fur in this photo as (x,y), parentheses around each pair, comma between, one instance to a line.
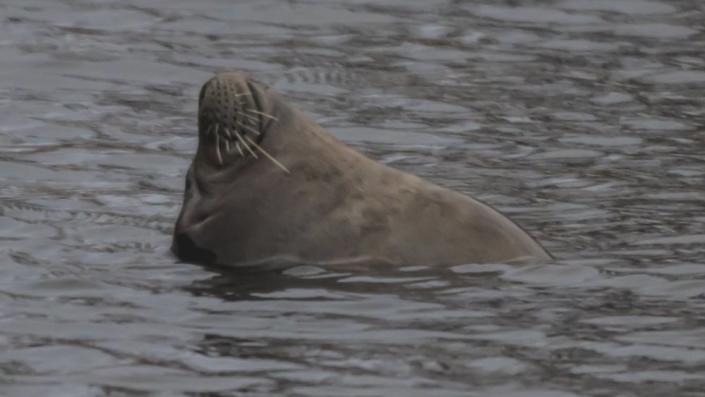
(333,204)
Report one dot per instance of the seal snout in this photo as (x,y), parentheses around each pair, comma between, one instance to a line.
(228,118)
(231,120)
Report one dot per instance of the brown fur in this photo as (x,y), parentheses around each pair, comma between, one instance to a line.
(335,205)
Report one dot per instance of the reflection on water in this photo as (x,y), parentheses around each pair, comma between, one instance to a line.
(581,119)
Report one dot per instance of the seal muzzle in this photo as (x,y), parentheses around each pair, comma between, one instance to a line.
(231,120)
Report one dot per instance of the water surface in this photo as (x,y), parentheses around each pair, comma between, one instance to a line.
(581,119)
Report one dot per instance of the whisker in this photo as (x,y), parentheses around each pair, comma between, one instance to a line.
(239,149)
(245,144)
(252,130)
(227,146)
(269,116)
(227,133)
(217,149)
(277,163)
(248,116)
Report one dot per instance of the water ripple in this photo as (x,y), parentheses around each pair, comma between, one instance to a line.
(582,120)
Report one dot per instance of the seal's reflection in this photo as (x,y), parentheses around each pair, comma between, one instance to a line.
(245,283)
(252,282)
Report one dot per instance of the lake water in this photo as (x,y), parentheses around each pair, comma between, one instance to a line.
(583,120)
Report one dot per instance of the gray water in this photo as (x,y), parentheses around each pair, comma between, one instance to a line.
(583,120)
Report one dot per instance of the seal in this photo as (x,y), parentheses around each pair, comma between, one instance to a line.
(267,183)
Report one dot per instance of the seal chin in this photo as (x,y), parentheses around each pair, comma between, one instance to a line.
(231,118)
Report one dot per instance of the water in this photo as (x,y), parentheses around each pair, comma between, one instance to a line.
(581,119)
